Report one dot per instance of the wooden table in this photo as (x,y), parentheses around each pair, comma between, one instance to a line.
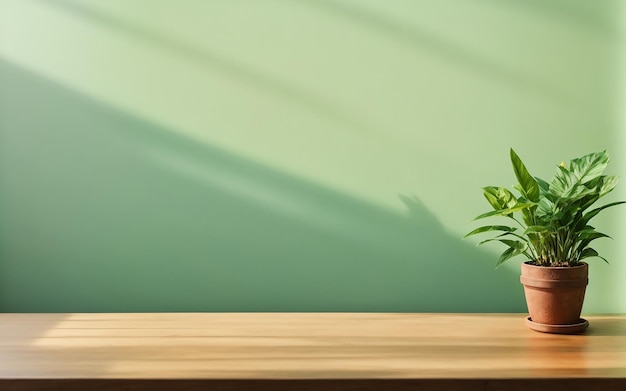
(305,351)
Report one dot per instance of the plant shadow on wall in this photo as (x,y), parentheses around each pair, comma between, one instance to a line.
(131,216)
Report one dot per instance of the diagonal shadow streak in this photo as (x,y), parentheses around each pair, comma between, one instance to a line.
(569,13)
(441,48)
(217,63)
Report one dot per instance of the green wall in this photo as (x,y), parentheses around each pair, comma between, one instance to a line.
(291,155)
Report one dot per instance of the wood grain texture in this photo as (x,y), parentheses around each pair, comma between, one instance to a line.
(306,351)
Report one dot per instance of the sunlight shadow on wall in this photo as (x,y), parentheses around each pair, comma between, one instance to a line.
(119,227)
(431,44)
(216,62)
(588,15)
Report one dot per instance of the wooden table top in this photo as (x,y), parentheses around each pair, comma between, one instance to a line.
(283,346)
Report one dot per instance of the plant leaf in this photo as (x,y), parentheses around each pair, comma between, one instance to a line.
(607,184)
(589,167)
(592,213)
(573,184)
(488,228)
(499,197)
(589,252)
(546,209)
(525,239)
(592,235)
(505,212)
(516,244)
(528,185)
(490,194)
(543,185)
(535,229)
(506,255)
(511,252)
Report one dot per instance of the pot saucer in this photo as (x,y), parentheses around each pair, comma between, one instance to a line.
(573,328)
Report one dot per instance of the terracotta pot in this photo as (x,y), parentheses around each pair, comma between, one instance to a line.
(554,295)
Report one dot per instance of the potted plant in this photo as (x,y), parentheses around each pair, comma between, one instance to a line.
(553,233)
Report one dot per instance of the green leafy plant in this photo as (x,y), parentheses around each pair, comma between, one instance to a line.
(554,229)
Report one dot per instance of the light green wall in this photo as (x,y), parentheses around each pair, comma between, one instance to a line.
(291,155)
